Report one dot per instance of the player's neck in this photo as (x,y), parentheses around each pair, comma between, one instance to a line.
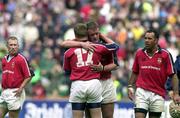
(151,52)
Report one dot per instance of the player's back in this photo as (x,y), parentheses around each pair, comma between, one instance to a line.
(78,60)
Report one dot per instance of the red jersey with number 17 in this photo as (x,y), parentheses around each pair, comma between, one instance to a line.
(153,71)
(14,71)
(78,61)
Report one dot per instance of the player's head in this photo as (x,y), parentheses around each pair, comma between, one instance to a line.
(80,31)
(93,31)
(12,45)
(151,39)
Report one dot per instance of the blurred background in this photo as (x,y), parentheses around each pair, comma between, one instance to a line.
(41,25)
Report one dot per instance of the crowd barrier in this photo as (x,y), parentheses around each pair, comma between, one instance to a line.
(62,109)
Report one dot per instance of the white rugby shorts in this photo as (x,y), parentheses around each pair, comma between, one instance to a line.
(89,91)
(148,100)
(10,101)
(108,91)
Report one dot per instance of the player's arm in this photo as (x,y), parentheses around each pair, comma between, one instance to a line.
(66,64)
(115,64)
(72,43)
(23,85)
(131,85)
(175,86)
(110,67)
(100,67)
(28,73)
(105,39)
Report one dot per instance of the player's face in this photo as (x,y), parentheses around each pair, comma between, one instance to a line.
(150,41)
(93,35)
(12,47)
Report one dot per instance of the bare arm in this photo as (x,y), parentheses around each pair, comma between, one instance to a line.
(175,86)
(72,43)
(132,79)
(23,85)
(106,39)
(110,67)
(131,84)
(100,67)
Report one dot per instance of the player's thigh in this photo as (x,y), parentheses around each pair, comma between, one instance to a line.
(87,113)
(3,112)
(78,114)
(157,104)
(108,91)
(14,113)
(95,112)
(107,110)
(78,109)
(141,102)
(3,107)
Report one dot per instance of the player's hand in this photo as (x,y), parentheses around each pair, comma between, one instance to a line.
(97,68)
(18,92)
(131,93)
(176,98)
(88,46)
(171,94)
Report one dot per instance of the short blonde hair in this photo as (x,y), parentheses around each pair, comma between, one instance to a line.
(80,30)
(12,38)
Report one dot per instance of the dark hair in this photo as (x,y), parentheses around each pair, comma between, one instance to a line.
(80,30)
(156,34)
(92,25)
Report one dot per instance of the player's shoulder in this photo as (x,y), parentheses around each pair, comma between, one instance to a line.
(165,51)
(140,50)
(21,56)
(4,58)
(100,45)
(69,51)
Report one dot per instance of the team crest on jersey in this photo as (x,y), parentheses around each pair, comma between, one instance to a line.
(13,64)
(159,60)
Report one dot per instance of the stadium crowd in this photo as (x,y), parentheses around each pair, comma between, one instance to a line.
(41,25)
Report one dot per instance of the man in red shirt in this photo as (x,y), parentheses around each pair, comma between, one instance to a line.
(86,88)
(15,76)
(151,68)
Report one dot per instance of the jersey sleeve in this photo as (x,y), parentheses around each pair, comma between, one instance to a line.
(26,68)
(66,64)
(170,67)
(112,46)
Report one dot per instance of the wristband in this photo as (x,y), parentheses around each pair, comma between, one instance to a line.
(129,86)
(102,68)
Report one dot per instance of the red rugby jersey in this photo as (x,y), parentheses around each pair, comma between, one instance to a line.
(15,71)
(107,59)
(78,61)
(153,71)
